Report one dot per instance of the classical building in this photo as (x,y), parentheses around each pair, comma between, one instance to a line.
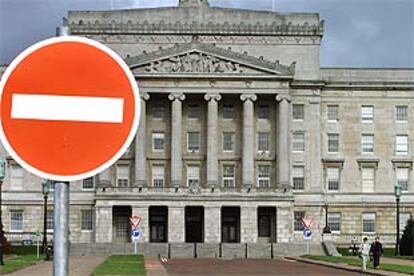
(242,134)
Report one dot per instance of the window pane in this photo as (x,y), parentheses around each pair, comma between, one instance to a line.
(404,218)
(228,176)
(193,141)
(87,183)
(298,178)
(263,141)
(263,112)
(368,175)
(333,142)
(332,112)
(334,221)
(122,175)
(299,141)
(297,220)
(264,225)
(158,141)
(367,113)
(193,175)
(193,111)
(17,174)
(86,220)
(401,113)
(228,141)
(49,220)
(368,222)
(401,145)
(367,143)
(402,175)
(158,176)
(228,112)
(298,112)
(16,220)
(332,175)
(263,176)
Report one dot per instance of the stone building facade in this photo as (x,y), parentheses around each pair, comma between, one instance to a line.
(242,134)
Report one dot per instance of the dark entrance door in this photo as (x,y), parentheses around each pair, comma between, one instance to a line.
(230,224)
(120,219)
(158,219)
(194,224)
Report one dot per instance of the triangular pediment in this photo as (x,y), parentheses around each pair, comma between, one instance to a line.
(204,60)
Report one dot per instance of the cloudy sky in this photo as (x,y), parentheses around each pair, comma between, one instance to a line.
(359,33)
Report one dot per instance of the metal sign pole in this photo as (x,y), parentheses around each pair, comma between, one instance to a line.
(61,214)
(61,230)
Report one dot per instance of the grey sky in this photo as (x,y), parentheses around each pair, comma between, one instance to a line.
(359,33)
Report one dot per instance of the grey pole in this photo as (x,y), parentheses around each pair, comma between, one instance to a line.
(61,214)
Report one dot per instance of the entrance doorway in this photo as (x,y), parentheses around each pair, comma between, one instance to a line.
(158,219)
(230,224)
(266,224)
(194,224)
(120,223)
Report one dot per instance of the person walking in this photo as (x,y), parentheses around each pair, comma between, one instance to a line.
(1,253)
(376,251)
(364,250)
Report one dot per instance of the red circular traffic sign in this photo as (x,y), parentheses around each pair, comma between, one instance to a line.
(69,108)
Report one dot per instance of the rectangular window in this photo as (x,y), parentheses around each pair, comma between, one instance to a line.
(229,176)
(263,141)
(332,178)
(401,113)
(298,112)
(86,220)
(263,176)
(158,141)
(333,142)
(228,141)
(334,222)
(193,111)
(193,176)
(401,145)
(193,141)
(17,173)
(368,180)
(263,112)
(332,113)
(87,183)
(264,225)
(158,176)
(298,142)
(49,220)
(298,178)
(402,175)
(368,222)
(297,220)
(404,218)
(367,113)
(16,220)
(367,143)
(228,112)
(122,175)
(158,112)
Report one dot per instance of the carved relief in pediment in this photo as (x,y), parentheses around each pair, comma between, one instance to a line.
(191,63)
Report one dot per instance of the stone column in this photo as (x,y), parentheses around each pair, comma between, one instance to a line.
(176,133)
(212,139)
(284,224)
(140,146)
(103,224)
(248,223)
(144,225)
(283,145)
(176,224)
(248,139)
(212,224)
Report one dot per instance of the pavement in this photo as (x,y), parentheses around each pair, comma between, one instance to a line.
(79,266)
(154,267)
(356,269)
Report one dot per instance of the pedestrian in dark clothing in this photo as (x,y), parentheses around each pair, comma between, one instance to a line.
(1,253)
(376,251)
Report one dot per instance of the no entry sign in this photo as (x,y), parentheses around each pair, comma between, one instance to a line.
(69,108)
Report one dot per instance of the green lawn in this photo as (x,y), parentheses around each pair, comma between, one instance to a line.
(121,265)
(388,252)
(17,262)
(357,262)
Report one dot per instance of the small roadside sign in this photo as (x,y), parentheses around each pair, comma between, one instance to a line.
(307,234)
(135,235)
(135,221)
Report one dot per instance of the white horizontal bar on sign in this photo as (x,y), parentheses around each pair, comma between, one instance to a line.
(67,108)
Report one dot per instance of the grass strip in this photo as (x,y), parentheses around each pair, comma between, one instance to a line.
(121,265)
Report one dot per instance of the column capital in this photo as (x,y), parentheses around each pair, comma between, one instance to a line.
(251,97)
(145,96)
(212,96)
(283,97)
(176,96)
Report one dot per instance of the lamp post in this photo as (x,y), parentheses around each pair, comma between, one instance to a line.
(326,229)
(2,176)
(45,192)
(397,192)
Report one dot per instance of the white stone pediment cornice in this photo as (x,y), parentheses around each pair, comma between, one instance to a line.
(205,60)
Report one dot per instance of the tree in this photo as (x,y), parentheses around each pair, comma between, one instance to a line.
(407,244)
